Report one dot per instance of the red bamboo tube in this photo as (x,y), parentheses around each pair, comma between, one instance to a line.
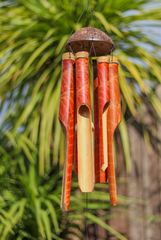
(113,119)
(84,124)
(75,132)
(100,176)
(104,98)
(66,118)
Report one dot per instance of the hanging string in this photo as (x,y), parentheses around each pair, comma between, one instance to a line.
(91,10)
(103,29)
(111,52)
(91,14)
(71,50)
(79,18)
(97,20)
(88,5)
(86,14)
(93,49)
(87,215)
(90,50)
(92,46)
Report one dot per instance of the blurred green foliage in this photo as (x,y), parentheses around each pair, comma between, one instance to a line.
(33,35)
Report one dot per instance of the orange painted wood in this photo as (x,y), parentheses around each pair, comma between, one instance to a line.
(66,118)
(113,119)
(75,131)
(104,98)
(100,176)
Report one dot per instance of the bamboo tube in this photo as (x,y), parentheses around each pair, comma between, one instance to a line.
(114,118)
(75,131)
(66,118)
(104,98)
(100,176)
(84,124)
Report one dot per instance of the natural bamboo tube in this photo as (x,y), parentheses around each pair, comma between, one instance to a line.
(84,124)
(66,118)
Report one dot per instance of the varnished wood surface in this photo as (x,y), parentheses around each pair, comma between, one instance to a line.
(66,117)
(104,101)
(113,119)
(100,176)
(83,38)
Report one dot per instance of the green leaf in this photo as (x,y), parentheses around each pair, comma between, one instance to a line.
(106,226)
(56,237)
(37,52)
(53,215)
(108,26)
(32,179)
(46,224)
(15,218)
(7,224)
(40,81)
(125,143)
(28,142)
(61,44)
(22,166)
(2,150)
(23,117)
(156,103)
(45,57)
(39,217)
(26,151)
(49,33)
(54,198)
(19,31)
(35,129)
(126,91)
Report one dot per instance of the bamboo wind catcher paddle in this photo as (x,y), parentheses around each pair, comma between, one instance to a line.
(92,153)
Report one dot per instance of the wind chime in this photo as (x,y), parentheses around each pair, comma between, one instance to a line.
(93,161)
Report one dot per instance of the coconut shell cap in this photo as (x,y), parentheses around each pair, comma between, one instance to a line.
(83,38)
